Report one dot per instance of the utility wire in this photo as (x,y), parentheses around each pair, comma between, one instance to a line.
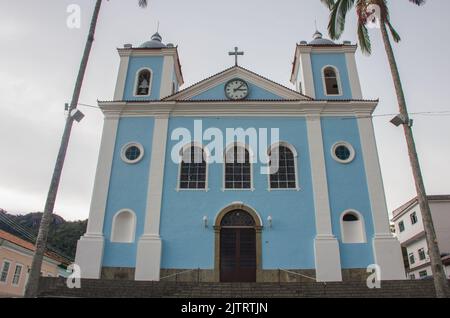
(424,113)
(28,234)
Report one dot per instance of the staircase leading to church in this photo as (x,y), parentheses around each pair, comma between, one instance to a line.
(56,287)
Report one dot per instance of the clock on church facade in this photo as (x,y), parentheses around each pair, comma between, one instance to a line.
(163,203)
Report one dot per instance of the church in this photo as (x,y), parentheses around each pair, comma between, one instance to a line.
(237,177)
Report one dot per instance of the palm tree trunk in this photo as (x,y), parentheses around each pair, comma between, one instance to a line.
(41,241)
(440,281)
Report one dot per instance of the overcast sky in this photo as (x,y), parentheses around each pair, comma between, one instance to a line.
(40,57)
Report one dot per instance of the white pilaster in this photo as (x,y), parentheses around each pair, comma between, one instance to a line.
(307,75)
(355,83)
(121,77)
(167,76)
(148,261)
(326,246)
(89,253)
(387,249)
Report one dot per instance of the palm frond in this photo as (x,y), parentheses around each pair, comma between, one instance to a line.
(364,39)
(143,3)
(418,2)
(328,3)
(338,15)
(394,33)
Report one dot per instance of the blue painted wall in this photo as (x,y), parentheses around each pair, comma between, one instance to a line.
(155,63)
(218,92)
(347,186)
(289,244)
(128,189)
(319,61)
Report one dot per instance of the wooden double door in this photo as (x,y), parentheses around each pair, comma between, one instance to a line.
(238,254)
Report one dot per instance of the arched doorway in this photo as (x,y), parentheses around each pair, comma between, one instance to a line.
(238,245)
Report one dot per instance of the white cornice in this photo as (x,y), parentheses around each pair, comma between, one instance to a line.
(230,109)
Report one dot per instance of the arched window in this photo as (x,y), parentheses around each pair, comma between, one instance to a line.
(282,168)
(193,168)
(123,227)
(331,81)
(143,83)
(352,226)
(237,168)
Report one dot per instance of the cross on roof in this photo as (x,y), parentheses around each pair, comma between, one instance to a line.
(236,53)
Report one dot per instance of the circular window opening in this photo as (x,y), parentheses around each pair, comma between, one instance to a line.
(132,153)
(343,152)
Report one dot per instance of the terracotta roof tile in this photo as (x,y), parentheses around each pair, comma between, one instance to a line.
(30,246)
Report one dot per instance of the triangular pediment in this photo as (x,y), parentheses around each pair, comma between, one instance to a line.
(213,88)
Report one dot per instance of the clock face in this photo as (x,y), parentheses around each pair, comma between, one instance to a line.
(236,89)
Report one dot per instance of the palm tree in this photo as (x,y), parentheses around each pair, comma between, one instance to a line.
(364,9)
(41,241)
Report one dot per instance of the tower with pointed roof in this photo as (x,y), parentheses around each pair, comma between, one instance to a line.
(238,178)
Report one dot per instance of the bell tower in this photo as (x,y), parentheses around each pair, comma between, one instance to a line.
(323,69)
(151,71)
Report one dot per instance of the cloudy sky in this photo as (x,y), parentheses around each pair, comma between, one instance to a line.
(40,58)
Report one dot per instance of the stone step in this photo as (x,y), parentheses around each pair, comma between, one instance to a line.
(53,287)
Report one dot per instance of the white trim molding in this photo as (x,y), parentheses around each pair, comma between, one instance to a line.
(348,146)
(121,78)
(148,259)
(89,253)
(234,109)
(19,276)
(7,272)
(326,246)
(136,82)
(387,249)
(232,73)
(167,77)
(355,83)
(252,159)
(296,158)
(129,145)
(206,157)
(338,80)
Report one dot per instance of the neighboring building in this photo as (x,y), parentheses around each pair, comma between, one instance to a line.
(16,256)
(165,203)
(410,232)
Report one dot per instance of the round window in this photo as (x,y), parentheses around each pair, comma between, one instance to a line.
(132,153)
(343,152)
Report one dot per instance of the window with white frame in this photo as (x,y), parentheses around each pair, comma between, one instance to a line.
(282,168)
(238,168)
(422,255)
(413,217)
(5,271)
(17,273)
(331,81)
(412,259)
(143,82)
(412,276)
(132,153)
(401,226)
(423,274)
(193,168)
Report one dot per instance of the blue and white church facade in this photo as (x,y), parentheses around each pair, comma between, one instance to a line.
(238,177)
